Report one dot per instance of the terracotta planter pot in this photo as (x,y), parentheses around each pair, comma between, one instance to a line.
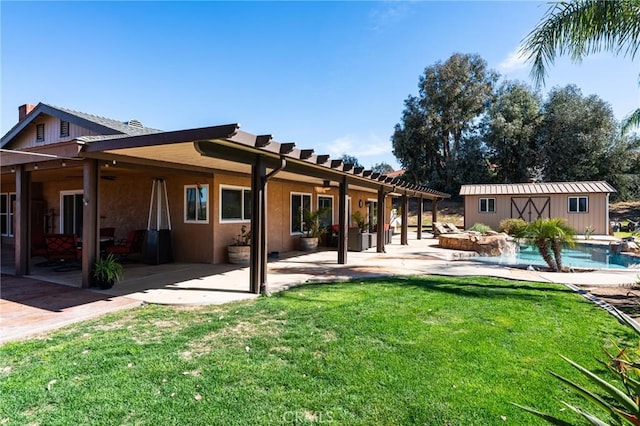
(239,255)
(308,243)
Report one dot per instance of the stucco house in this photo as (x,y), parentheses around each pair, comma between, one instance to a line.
(582,204)
(68,172)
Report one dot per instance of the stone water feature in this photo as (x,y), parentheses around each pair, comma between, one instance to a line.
(493,244)
(625,246)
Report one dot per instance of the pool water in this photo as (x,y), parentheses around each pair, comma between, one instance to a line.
(581,256)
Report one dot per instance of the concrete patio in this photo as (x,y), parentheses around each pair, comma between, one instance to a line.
(194,284)
(201,284)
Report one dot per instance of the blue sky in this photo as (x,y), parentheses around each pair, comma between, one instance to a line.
(331,76)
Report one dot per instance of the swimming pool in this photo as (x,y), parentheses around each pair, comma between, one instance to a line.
(581,256)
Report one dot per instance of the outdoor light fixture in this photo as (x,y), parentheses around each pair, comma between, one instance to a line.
(13,170)
(64,164)
(35,167)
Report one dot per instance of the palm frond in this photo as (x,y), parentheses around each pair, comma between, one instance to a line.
(631,121)
(581,28)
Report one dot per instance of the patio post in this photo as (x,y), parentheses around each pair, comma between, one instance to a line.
(264,181)
(420,211)
(404,240)
(380,218)
(343,222)
(22,233)
(256,263)
(263,236)
(434,210)
(90,182)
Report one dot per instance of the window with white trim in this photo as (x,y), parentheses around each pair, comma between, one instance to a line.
(487,205)
(7,201)
(578,204)
(235,204)
(325,205)
(299,203)
(196,203)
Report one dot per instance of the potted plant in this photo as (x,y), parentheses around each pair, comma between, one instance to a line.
(358,240)
(358,218)
(107,271)
(311,230)
(239,251)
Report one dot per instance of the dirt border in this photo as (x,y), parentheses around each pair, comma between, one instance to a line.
(624,298)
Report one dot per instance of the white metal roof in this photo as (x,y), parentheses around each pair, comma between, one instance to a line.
(537,188)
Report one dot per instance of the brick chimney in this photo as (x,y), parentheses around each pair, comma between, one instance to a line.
(24,110)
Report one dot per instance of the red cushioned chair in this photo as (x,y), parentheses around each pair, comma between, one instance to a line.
(132,245)
(107,237)
(62,249)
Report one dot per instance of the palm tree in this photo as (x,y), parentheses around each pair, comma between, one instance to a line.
(549,236)
(562,235)
(581,28)
(539,234)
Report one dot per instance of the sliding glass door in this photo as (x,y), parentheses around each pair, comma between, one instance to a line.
(71,212)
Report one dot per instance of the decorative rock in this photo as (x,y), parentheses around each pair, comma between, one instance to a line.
(485,245)
(491,245)
(629,246)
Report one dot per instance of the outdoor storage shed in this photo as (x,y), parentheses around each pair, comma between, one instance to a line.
(583,204)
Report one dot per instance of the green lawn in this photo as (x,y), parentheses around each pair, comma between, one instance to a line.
(434,350)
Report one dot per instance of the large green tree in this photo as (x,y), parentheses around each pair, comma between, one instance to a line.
(452,96)
(473,161)
(350,159)
(382,168)
(580,28)
(620,166)
(510,129)
(574,135)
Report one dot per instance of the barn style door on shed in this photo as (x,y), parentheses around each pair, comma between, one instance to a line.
(531,208)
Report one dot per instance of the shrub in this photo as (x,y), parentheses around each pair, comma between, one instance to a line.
(481,228)
(512,226)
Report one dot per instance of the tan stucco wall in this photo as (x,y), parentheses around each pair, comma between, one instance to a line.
(192,242)
(124,205)
(279,236)
(596,217)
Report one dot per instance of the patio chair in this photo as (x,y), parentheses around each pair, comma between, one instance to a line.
(439,228)
(62,250)
(452,227)
(133,244)
(107,237)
